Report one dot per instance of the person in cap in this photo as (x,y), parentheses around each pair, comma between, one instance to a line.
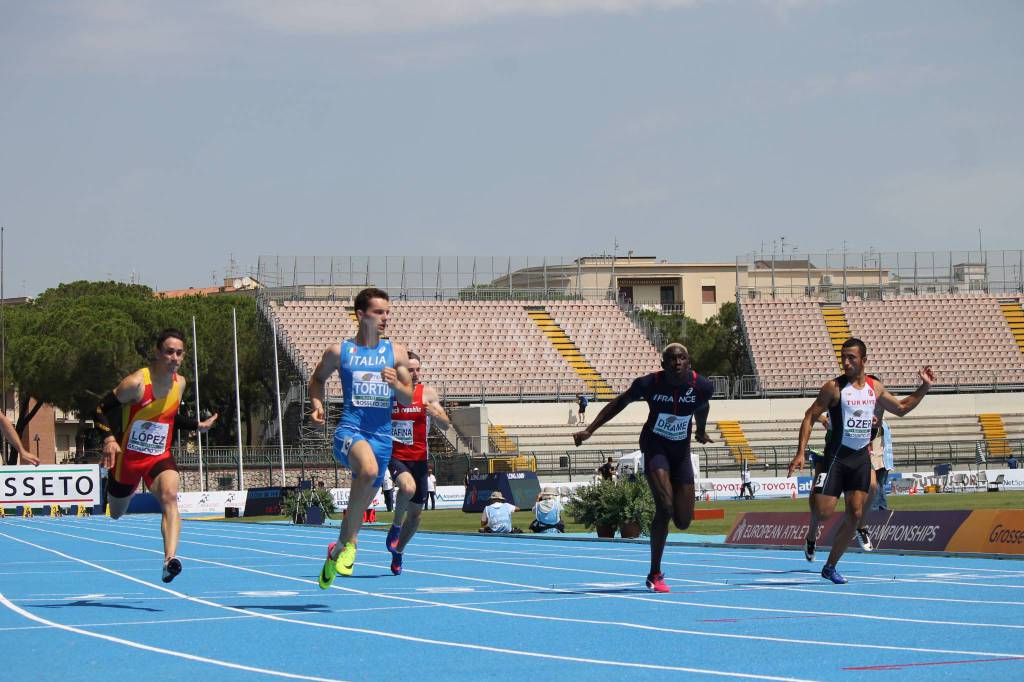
(497,515)
(547,512)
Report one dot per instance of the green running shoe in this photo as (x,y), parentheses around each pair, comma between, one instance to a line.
(346,562)
(329,571)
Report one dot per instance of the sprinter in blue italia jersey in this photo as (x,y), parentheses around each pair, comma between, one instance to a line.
(677,397)
(374,373)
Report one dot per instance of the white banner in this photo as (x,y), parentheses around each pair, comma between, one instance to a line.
(1013,479)
(727,488)
(211,502)
(47,484)
(447,497)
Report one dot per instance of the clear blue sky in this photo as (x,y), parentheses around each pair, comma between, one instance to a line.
(162,137)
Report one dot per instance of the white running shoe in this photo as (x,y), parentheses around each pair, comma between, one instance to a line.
(864,539)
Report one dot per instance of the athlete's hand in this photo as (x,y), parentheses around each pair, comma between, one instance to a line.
(28,458)
(703,437)
(317,415)
(927,376)
(207,424)
(390,375)
(795,464)
(581,436)
(110,452)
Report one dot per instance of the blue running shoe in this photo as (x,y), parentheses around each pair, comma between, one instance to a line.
(392,539)
(396,563)
(829,572)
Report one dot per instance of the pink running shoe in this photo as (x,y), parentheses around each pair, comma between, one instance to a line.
(656,583)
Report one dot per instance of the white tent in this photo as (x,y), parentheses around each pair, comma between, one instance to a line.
(631,463)
(634,462)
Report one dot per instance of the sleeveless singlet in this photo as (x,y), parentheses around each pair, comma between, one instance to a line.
(409,427)
(147,427)
(851,418)
(367,397)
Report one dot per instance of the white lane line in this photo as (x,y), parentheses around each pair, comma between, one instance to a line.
(475,543)
(673,580)
(158,650)
(703,564)
(602,623)
(389,635)
(494,543)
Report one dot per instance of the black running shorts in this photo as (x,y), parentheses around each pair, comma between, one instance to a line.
(419,472)
(676,463)
(846,471)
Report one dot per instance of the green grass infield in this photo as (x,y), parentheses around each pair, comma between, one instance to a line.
(456,520)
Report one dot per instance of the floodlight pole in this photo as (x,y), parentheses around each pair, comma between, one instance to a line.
(199,415)
(238,399)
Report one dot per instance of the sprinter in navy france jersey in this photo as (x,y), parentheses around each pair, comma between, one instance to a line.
(677,396)
(853,400)
(665,438)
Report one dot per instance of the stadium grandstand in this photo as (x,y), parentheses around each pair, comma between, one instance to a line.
(509,344)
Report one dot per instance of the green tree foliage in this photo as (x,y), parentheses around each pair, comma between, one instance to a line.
(717,347)
(77,341)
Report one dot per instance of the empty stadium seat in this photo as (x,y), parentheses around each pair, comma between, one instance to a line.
(473,348)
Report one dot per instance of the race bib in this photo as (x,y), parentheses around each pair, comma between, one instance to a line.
(857,433)
(148,438)
(672,426)
(401,431)
(370,390)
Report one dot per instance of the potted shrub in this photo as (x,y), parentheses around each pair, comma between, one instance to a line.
(637,509)
(595,506)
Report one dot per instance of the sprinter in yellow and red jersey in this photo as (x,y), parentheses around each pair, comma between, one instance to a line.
(140,448)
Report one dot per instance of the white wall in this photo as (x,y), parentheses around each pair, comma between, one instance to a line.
(753,410)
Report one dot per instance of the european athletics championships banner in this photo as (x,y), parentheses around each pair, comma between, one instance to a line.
(984,531)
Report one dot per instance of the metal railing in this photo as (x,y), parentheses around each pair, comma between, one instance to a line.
(842,275)
(799,385)
(436,277)
(576,464)
(774,459)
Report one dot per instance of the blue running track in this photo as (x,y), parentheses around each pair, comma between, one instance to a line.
(81,599)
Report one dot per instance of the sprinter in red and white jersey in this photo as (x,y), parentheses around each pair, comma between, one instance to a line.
(851,400)
(410,425)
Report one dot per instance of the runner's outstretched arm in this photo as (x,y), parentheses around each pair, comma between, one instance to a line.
(128,391)
(900,407)
(330,362)
(701,417)
(607,413)
(11,435)
(398,377)
(434,408)
(826,396)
